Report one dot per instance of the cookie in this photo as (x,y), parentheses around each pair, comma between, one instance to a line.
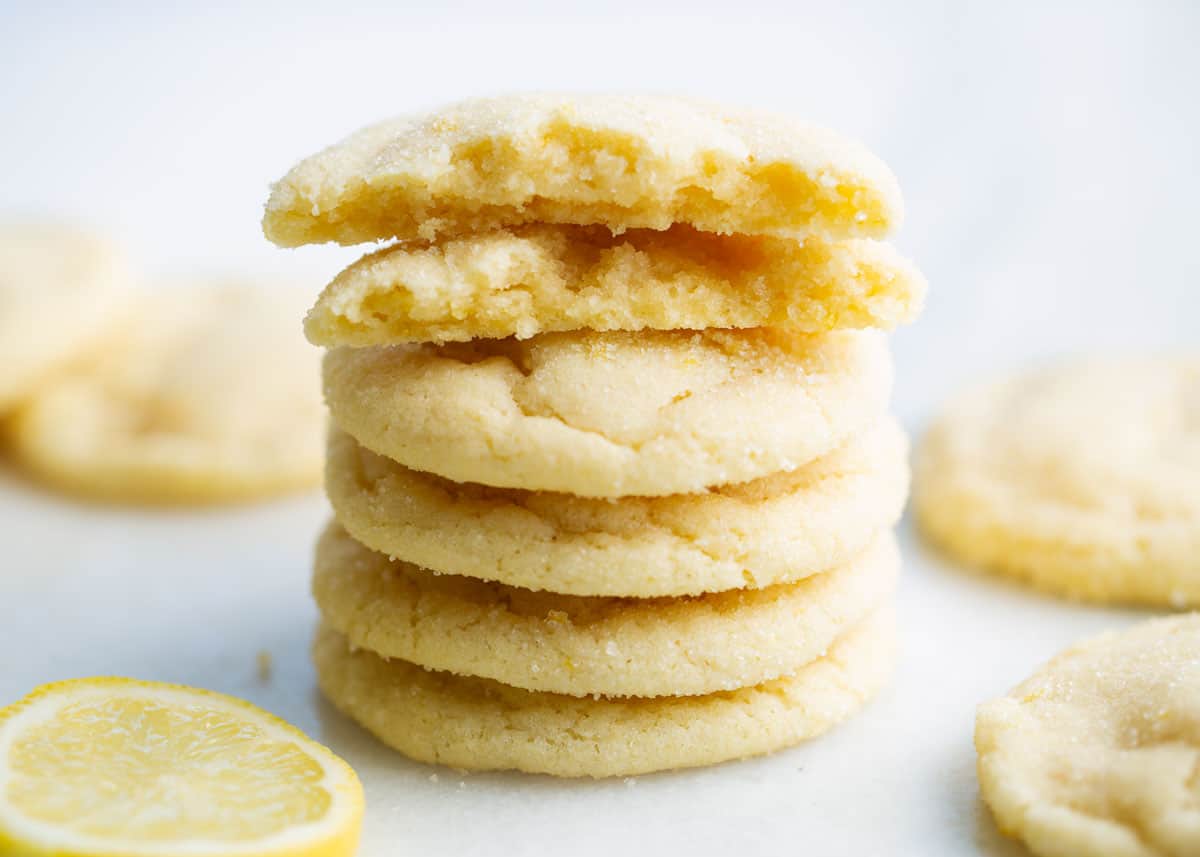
(622,161)
(478,724)
(208,394)
(541,279)
(582,646)
(611,414)
(776,529)
(1096,755)
(60,288)
(1082,479)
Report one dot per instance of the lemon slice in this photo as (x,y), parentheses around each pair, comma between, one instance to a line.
(117,767)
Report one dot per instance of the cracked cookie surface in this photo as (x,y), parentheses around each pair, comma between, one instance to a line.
(593,645)
(1083,479)
(777,529)
(612,414)
(1097,754)
(622,161)
(478,724)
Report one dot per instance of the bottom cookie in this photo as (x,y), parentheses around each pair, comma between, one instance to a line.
(479,724)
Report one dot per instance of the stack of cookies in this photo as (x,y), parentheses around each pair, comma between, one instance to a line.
(612,471)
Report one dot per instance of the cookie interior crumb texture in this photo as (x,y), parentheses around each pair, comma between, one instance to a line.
(622,161)
(539,279)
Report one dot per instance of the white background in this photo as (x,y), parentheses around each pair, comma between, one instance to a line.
(1048,152)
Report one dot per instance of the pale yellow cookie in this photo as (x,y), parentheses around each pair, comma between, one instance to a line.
(208,394)
(776,529)
(586,645)
(60,288)
(1097,754)
(478,724)
(540,279)
(1083,479)
(622,161)
(612,414)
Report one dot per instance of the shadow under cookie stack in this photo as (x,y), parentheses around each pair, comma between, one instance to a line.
(613,476)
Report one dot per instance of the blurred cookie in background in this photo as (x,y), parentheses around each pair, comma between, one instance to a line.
(1082,479)
(60,288)
(206,393)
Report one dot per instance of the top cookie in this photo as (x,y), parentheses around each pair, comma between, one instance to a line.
(1082,478)
(59,288)
(621,161)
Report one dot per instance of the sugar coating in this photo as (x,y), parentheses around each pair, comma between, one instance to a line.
(478,724)
(1083,479)
(60,289)
(622,161)
(592,645)
(207,393)
(611,414)
(1097,754)
(780,528)
(539,279)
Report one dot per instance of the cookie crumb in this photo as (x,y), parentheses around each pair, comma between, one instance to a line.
(265,665)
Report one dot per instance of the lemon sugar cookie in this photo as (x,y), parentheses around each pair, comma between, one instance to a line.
(622,161)
(540,279)
(206,394)
(60,289)
(776,529)
(1096,755)
(1083,479)
(611,414)
(581,646)
(477,724)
